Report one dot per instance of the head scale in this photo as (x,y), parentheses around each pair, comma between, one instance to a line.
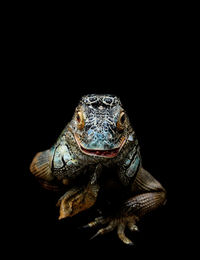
(100,125)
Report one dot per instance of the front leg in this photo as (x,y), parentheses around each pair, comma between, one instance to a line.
(56,166)
(149,195)
(77,199)
(80,198)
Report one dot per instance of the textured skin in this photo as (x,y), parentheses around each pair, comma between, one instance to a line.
(99,137)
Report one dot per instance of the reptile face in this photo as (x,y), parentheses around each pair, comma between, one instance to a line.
(100,125)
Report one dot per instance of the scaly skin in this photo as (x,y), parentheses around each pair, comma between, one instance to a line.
(99,136)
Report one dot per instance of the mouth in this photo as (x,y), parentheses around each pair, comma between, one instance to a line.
(101,153)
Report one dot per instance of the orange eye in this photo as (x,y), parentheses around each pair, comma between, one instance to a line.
(121,121)
(80,119)
(122,118)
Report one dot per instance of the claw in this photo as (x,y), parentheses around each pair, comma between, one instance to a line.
(97,221)
(105,230)
(120,223)
(133,227)
(97,234)
(85,226)
(122,236)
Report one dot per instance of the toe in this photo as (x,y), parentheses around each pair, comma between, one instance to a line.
(132,227)
(105,230)
(96,222)
(122,236)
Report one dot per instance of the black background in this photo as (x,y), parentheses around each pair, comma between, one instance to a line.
(34,212)
(49,69)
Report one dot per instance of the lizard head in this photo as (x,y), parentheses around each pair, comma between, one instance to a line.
(100,125)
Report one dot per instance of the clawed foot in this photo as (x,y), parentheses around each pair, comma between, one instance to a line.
(119,223)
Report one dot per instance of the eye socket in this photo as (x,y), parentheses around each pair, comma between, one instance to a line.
(122,118)
(80,119)
(120,123)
